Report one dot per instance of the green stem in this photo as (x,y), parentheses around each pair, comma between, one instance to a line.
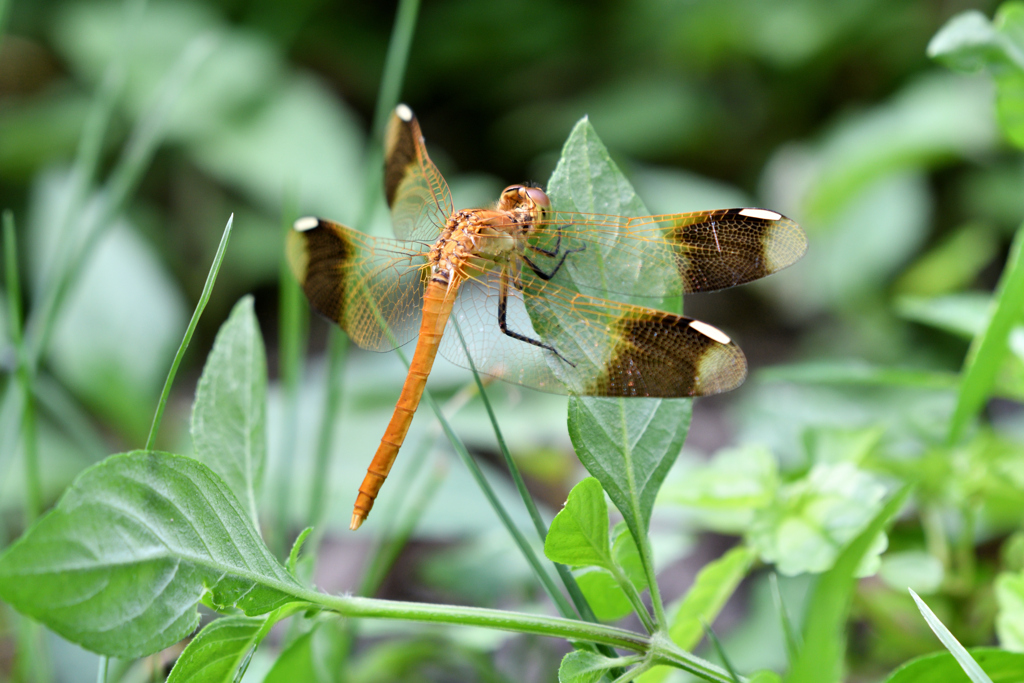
(634,598)
(101,669)
(33,487)
(203,299)
(660,650)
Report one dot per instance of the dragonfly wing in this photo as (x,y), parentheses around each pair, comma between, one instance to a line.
(608,348)
(417,194)
(364,284)
(587,345)
(493,352)
(661,256)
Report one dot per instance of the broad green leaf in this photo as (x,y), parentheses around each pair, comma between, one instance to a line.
(821,657)
(1010,619)
(967,42)
(712,588)
(295,663)
(217,651)
(765,677)
(629,445)
(578,536)
(989,348)
(1000,666)
(581,666)
(317,656)
(604,594)
(814,517)
(120,564)
(229,414)
(727,492)
(963,658)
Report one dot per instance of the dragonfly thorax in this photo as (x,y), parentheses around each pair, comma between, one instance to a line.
(476,240)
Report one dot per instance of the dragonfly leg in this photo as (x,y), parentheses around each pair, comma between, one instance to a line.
(503,322)
(558,246)
(558,266)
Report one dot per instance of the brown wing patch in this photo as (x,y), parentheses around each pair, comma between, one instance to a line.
(417,194)
(399,150)
(719,249)
(371,287)
(665,355)
(317,256)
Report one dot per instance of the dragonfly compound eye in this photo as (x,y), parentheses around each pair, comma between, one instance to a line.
(538,197)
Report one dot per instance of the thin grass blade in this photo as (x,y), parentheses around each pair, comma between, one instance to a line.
(962,656)
(989,348)
(211,278)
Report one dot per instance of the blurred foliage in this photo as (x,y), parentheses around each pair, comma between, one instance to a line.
(906,173)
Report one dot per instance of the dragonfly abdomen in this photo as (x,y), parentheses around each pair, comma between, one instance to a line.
(438,299)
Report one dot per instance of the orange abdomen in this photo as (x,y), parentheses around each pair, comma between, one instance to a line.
(438,299)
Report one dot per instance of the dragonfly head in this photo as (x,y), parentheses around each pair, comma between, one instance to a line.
(531,202)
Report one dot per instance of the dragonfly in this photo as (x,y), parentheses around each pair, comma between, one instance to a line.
(540,297)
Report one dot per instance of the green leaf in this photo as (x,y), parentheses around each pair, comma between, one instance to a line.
(989,348)
(817,515)
(578,536)
(821,657)
(941,667)
(727,492)
(119,565)
(581,666)
(629,445)
(316,656)
(229,414)
(712,588)
(963,658)
(293,556)
(967,42)
(217,652)
(644,436)
(1010,619)
(604,594)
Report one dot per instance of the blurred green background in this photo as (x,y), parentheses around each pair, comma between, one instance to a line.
(829,112)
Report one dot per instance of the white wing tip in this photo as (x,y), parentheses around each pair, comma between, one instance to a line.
(711,332)
(403,112)
(306,223)
(761,213)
